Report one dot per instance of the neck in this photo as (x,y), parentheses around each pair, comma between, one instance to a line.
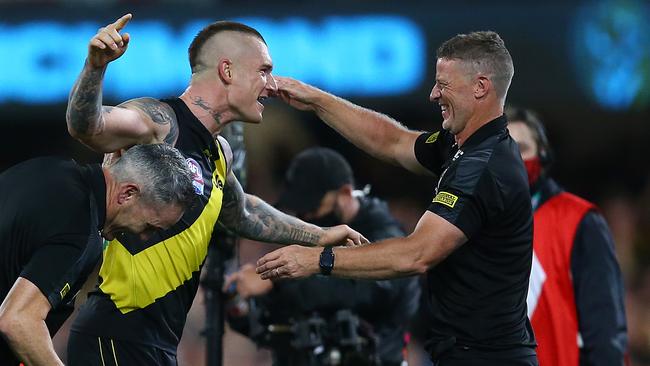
(203,103)
(480,118)
(111,192)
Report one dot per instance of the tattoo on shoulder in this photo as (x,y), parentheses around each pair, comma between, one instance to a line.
(171,137)
(160,113)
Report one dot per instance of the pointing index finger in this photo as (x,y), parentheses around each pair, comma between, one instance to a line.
(120,23)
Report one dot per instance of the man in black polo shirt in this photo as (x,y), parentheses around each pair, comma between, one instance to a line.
(53,213)
(475,240)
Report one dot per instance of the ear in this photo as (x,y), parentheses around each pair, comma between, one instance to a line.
(225,71)
(482,87)
(127,193)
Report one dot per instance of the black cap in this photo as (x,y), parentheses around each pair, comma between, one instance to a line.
(311,174)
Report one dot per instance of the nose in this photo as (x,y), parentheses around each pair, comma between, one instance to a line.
(435,93)
(271,84)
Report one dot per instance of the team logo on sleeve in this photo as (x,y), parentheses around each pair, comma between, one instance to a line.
(446,199)
(64,291)
(432,138)
(197,175)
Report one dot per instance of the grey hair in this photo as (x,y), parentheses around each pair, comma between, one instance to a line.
(486,52)
(160,171)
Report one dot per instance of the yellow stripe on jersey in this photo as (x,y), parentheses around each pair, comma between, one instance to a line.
(136,281)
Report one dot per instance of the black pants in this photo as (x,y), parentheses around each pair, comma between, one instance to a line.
(87,350)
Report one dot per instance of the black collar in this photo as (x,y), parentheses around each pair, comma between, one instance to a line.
(495,127)
(97,182)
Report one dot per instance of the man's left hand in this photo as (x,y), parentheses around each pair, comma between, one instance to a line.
(293,261)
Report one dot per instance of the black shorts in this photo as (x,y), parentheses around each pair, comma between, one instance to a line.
(88,350)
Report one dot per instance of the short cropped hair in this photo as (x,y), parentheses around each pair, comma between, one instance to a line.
(486,52)
(161,172)
(210,30)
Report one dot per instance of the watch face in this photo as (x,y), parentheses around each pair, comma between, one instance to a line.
(326,261)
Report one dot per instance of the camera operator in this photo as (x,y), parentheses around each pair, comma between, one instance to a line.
(322,320)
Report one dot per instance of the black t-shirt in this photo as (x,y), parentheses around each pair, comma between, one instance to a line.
(478,293)
(52,210)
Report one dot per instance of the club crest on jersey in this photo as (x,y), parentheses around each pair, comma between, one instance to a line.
(197,175)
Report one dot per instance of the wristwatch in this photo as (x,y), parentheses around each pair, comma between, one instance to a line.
(326,262)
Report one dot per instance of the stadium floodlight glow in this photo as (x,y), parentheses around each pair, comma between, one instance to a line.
(371,55)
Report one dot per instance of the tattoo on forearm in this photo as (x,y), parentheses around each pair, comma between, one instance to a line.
(85,102)
(253,218)
(198,101)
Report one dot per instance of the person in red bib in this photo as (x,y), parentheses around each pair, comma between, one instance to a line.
(575,296)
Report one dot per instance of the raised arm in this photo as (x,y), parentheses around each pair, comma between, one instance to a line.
(104,128)
(373,132)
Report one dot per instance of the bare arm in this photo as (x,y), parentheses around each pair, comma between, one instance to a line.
(104,128)
(373,132)
(22,324)
(432,241)
(252,218)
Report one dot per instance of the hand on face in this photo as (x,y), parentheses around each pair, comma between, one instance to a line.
(295,93)
(108,44)
(341,235)
(289,262)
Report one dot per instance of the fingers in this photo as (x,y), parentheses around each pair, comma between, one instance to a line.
(104,37)
(268,257)
(110,37)
(121,23)
(270,265)
(363,239)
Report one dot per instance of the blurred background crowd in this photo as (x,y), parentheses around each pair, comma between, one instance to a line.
(583,65)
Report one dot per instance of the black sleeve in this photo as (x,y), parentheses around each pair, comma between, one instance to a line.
(429,150)
(467,197)
(598,287)
(53,267)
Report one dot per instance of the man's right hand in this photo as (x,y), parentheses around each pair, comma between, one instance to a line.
(296,93)
(341,235)
(108,44)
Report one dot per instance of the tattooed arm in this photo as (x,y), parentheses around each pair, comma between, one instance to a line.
(107,129)
(252,218)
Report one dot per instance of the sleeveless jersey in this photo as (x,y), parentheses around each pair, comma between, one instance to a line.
(145,289)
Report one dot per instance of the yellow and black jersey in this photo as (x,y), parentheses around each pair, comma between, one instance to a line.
(145,289)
